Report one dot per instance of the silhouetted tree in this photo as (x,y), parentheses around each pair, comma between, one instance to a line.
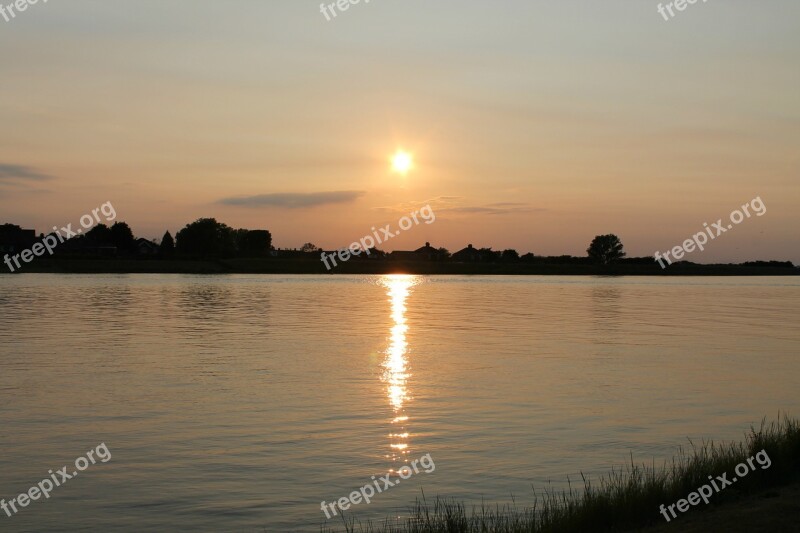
(443,253)
(488,255)
(206,237)
(528,258)
(100,234)
(510,256)
(309,247)
(253,242)
(240,241)
(122,237)
(167,246)
(605,249)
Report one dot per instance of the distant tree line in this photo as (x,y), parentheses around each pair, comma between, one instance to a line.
(207,238)
(204,239)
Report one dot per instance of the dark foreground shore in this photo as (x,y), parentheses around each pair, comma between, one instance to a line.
(769,511)
(314,266)
(745,486)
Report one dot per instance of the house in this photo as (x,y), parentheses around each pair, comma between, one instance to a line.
(403,255)
(467,255)
(14,239)
(426,253)
(83,247)
(146,248)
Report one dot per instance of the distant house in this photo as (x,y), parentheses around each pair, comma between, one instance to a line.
(403,255)
(467,255)
(293,252)
(146,248)
(83,247)
(374,253)
(14,239)
(426,253)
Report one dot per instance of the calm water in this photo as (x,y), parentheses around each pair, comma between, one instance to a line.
(239,403)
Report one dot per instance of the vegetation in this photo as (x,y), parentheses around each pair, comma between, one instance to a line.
(206,238)
(625,499)
(167,247)
(606,249)
(209,246)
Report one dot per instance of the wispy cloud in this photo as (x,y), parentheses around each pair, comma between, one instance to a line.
(407,207)
(450,204)
(9,172)
(502,208)
(294,200)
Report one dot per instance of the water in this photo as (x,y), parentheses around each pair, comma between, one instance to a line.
(240,403)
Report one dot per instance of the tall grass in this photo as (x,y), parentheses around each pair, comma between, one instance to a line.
(625,498)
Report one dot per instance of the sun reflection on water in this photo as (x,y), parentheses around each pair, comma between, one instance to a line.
(395,365)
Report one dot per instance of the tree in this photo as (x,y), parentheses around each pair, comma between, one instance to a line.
(253,242)
(167,246)
(206,237)
(510,256)
(309,248)
(488,255)
(122,237)
(605,249)
(443,253)
(100,234)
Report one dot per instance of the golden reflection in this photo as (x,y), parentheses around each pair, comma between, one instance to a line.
(395,366)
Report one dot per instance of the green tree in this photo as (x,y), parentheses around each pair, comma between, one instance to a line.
(605,249)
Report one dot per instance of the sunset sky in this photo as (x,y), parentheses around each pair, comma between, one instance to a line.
(533,125)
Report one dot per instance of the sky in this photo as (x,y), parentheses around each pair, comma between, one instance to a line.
(533,125)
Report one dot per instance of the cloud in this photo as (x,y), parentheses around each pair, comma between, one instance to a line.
(294,200)
(9,172)
(508,204)
(503,208)
(407,207)
(449,204)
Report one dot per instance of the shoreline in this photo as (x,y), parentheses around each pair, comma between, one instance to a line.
(772,509)
(315,267)
(763,470)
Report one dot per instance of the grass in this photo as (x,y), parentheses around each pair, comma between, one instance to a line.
(626,498)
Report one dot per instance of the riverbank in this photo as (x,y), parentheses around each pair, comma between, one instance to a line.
(312,265)
(771,510)
(642,498)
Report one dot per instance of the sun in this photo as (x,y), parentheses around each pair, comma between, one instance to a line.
(402,162)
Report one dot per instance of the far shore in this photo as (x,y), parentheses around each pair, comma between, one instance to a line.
(312,265)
